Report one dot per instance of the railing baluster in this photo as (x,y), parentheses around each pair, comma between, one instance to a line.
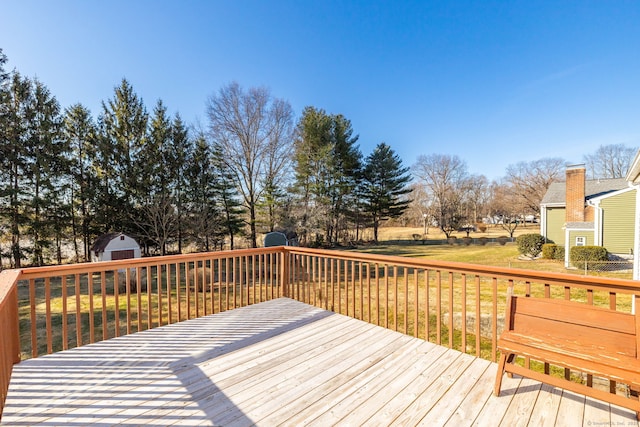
(178,288)
(149,303)
(103,295)
(438,307)
(377,270)
(65,327)
(494,332)
(219,271)
(463,314)
(204,287)
(78,312)
(169,296)
(211,285)
(116,293)
(451,315)
(360,284)
(92,335)
(386,296)
(478,317)
(47,297)
(325,260)
(138,297)
(612,306)
(353,290)
(427,319)
(187,290)
(313,280)
(127,278)
(32,303)
(245,263)
(396,315)
(196,289)
(226,279)
(339,283)
(368,266)
(405,301)
(159,289)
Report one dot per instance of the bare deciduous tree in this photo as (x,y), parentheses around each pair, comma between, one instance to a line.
(609,161)
(478,197)
(529,181)
(447,181)
(508,206)
(157,221)
(253,132)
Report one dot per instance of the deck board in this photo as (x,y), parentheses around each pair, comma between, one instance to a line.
(282,363)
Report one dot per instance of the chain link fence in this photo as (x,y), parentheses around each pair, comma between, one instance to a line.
(621,269)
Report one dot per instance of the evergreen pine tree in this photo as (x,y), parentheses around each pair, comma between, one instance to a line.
(80,134)
(384,186)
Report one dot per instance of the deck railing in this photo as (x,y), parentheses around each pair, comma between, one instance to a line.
(457,305)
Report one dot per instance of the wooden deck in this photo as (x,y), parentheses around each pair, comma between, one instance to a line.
(283,363)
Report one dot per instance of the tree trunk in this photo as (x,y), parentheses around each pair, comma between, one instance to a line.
(252,225)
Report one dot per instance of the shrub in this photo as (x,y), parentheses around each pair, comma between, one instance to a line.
(467,240)
(548,250)
(530,244)
(452,240)
(482,227)
(552,251)
(502,240)
(588,256)
(482,241)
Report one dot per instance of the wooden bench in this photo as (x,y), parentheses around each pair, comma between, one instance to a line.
(576,336)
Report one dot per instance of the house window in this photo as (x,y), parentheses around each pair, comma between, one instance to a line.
(121,237)
(581,241)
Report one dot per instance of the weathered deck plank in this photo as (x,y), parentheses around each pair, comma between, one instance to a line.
(282,363)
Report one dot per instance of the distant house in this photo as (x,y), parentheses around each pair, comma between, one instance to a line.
(114,246)
(580,212)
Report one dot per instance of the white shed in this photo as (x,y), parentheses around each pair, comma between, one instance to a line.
(115,246)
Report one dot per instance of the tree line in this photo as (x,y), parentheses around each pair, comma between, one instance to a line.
(448,196)
(67,177)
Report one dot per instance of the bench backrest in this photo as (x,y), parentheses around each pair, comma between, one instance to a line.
(568,321)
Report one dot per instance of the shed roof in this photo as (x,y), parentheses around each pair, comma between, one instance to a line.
(101,242)
(556,193)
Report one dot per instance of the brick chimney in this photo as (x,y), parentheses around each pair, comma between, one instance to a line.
(575,193)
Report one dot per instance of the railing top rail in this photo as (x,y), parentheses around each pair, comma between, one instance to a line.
(90,267)
(552,278)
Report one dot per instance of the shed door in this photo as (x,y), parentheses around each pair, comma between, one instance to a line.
(126,254)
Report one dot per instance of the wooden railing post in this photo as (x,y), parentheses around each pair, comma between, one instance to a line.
(9,325)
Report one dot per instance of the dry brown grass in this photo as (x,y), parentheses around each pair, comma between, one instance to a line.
(406,233)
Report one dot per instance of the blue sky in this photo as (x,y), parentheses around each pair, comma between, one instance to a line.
(493,82)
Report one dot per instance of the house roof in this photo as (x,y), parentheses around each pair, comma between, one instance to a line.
(101,242)
(556,194)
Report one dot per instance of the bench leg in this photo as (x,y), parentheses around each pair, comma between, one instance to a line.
(500,374)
